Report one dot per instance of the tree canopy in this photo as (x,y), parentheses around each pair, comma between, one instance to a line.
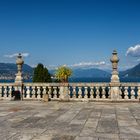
(63,73)
(41,74)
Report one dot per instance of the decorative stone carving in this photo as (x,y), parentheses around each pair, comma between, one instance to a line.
(115,81)
(97,93)
(33,92)
(114,60)
(86,93)
(91,92)
(74,92)
(19,62)
(80,92)
(45,95)
(103,93)
(38,93)
(132,92)
(126,93)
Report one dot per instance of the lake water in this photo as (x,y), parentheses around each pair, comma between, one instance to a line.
(89,80)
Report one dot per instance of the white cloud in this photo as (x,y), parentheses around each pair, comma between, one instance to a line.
(85,65)
(25,54)
(16,54)
(88,64)
(133,51)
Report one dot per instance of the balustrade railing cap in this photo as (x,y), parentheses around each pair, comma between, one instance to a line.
(115,84)
(64,84)
(18,84)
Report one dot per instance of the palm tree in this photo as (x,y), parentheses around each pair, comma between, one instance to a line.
(63,73)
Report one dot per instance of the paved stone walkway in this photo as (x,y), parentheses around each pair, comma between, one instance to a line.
(29,120)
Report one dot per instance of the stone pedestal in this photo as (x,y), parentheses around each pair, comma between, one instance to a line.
(114,91)
(115,78)
(64,92)
(19,78)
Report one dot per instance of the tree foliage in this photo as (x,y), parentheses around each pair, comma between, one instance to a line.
(41,74)
(63,73)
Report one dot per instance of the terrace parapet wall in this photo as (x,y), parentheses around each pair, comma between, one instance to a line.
(72,91)
(113,91)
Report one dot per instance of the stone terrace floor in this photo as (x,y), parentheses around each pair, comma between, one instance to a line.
(34,120)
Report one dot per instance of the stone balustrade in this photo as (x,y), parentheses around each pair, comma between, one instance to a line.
(72,91)
(113,91)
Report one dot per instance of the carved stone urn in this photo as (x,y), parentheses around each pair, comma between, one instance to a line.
(114,60)
(19,62)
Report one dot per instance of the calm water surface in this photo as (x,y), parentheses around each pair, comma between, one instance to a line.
(89,80)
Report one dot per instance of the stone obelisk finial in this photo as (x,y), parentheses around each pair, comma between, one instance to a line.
(114,60)
(19,62)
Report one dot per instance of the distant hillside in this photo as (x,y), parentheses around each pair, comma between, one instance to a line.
(133,72)
(10,69)
(87,73)
(92,72)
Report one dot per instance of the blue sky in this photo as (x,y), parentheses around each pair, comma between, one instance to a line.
(78,33)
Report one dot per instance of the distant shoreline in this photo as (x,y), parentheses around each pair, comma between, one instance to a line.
(88,80)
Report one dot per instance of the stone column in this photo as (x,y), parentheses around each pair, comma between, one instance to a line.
(19,77)
(114,60)
(64,92)
(19,62)
(115,81)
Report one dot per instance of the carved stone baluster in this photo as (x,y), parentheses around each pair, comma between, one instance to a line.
(28,92)
(109,92)
(97,93)
(38,93)
(50,92)
(86,93)
(80,92)
(103,93)
(120,94)
(5,92)
(23,92)
(45,96)
(33,92)
(55,93)
(69,92)
(44,91)
(126,93)
(20,91)
(132,93)
(10,92)
(0,92)
(138,93)
(74,92)
(91,92)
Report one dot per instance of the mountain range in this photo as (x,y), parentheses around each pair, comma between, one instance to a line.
(8,70)
(132,72)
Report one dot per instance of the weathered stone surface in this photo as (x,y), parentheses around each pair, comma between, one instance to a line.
(35,120)
(85,138)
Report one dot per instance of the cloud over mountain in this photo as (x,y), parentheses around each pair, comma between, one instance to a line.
(16,54)
(88,64)
(133,51)
(84,65)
